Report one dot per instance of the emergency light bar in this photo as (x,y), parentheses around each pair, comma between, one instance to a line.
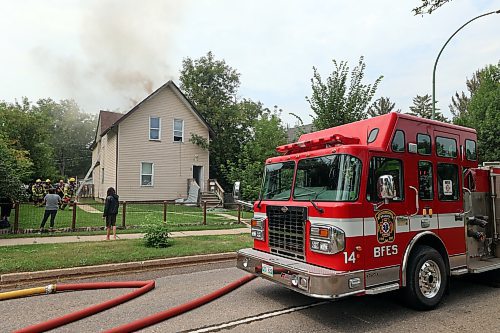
(334,139)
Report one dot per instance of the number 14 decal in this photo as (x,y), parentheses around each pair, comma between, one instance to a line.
(349,258)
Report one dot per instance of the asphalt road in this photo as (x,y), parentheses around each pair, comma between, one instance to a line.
(473,305)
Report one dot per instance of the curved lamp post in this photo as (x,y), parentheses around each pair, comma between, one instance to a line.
(437,59)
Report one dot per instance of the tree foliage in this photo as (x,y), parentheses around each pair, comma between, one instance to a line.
(54,136)
(422,107)
(483,113)
(460,102)
(428,6)
(335,101)
(212,86)
(268,133)
(382,105)
(15,166)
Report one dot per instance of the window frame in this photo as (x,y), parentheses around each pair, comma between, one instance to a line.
(432,179)
(456,147)
(155,128)
(401,198)
(475,150)
(404,141)
(174,130)
(458,182)
(143,174)
(430,141)
(374,130)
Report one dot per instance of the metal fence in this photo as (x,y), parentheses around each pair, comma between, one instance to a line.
(87,215)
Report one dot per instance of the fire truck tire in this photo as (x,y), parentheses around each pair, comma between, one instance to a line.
(427,279)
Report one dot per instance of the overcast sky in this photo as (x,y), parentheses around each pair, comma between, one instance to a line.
(109,54)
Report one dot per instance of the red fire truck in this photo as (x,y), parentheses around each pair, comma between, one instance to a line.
(390,202)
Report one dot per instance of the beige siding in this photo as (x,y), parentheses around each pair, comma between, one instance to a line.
(109,155)
(172,161)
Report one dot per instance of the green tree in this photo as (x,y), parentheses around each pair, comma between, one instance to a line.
(422,107)
(428,6)
(460,102)
(268,133)
(29,130)
(483,113)
(381,106)
(15,166)
(212,86)
(334,101)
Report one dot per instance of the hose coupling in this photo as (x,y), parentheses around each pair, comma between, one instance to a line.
(50,289)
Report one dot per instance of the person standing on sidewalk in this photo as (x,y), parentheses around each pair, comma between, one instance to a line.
(52,201)
(110,212)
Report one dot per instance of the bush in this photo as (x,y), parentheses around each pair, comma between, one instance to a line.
(156,235)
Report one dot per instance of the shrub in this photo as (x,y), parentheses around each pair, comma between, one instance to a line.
(156,235)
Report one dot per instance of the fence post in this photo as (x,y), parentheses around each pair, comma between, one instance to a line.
(204,212)
(124,213)
(165,211)
(16,218)
(239,213)
(73,220)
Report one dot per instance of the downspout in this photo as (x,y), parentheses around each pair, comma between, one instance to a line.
(116,157)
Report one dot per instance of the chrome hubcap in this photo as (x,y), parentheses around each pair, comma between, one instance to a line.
(429,279)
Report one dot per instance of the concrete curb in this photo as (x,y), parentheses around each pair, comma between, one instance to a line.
(23,277)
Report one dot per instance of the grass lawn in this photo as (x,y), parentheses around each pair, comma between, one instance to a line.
(36,257)
(90,215)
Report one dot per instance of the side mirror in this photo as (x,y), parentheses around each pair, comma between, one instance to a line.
(385,188)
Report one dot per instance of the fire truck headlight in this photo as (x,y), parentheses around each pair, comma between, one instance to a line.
(326,239)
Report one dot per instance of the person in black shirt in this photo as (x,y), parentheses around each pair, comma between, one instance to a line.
(110,212)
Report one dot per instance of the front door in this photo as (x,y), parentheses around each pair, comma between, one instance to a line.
(198,175)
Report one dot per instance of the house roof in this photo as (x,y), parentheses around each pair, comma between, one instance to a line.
(108,118)
(179,94)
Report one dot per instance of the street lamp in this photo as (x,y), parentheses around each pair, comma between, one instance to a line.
(437,59)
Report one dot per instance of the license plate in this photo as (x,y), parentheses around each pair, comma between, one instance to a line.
(267,270)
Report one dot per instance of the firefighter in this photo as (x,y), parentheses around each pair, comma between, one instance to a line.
(69,193)
(60,190)
(47,185)
(37,193)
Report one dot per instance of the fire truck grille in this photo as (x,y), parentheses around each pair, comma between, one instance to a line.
(286,230)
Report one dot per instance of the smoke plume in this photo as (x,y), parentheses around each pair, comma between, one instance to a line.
(122,54)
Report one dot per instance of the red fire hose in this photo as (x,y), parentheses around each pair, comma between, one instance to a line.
(144,287)
(164,315)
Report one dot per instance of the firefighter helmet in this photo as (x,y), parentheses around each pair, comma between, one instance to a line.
(38,181)
(47,180)
(61,180)
(72,179)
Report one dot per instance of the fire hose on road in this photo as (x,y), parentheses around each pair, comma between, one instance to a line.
(144,286)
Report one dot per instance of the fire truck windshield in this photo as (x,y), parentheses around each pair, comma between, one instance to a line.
(278,179)
(328,178)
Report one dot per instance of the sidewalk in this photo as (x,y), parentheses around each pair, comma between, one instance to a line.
(99,238)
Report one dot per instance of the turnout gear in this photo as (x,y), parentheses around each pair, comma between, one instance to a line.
(37,192)
(69,193)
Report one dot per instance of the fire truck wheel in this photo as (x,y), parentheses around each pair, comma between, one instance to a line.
(426,278)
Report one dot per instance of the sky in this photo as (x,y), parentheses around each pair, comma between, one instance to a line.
(109,54)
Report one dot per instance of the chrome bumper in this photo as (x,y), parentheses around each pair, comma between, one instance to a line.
(307,279)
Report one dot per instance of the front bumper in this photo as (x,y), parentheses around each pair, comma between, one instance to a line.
(308,279)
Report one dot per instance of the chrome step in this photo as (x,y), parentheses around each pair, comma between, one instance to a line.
(382,289)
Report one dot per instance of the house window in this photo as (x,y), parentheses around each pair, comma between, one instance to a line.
(178,130)
(102,175)
(154,128)
(147,173)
